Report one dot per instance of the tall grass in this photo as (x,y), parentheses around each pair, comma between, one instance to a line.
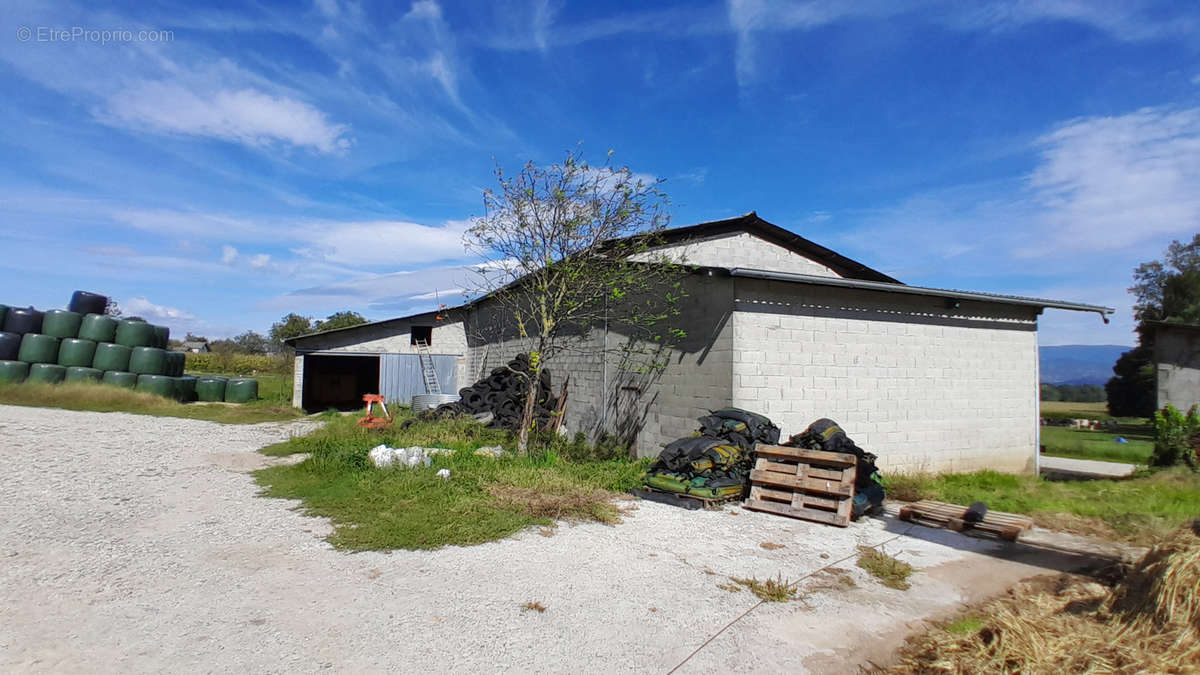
(483,500)
(1139,510)
(96,397)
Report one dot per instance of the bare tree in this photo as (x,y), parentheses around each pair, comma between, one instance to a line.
(563,246)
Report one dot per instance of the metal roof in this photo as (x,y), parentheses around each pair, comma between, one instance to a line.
(920,290)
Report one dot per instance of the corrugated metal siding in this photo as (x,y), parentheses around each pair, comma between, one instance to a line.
(400,376)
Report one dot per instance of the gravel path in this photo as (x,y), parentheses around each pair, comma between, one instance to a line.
(137,544)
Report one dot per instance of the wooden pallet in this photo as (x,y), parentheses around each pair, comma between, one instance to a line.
(809,484)
(1005,526)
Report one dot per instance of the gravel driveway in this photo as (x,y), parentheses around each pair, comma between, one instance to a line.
(137,544)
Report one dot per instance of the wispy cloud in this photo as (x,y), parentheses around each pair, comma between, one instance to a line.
(1112,182)
(1127,21)
(247,116)
(140,306)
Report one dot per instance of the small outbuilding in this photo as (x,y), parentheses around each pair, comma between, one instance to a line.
(1177,363)
(928,379)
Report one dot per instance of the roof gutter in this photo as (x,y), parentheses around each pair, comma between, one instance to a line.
(920,290)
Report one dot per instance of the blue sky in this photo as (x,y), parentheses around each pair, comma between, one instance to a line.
(222,164)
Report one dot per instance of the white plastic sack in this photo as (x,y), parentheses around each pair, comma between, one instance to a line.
(383,456)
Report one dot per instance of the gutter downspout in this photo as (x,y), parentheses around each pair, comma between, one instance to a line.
(604,373)
(1037,404)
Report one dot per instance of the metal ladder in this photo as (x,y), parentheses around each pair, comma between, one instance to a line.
(431,382)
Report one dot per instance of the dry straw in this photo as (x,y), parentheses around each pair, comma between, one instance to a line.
(1148,623)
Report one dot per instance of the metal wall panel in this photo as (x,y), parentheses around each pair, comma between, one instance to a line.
(400,376)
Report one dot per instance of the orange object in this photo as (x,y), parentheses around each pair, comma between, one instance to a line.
(369,420)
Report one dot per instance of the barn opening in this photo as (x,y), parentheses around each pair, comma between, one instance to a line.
(421,334)
(339,381)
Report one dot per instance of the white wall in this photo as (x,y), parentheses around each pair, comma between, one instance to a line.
(924,387)
(740,250)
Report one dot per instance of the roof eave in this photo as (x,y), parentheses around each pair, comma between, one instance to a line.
(921,290)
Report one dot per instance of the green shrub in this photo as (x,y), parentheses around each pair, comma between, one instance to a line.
(237,364)
(1176,437)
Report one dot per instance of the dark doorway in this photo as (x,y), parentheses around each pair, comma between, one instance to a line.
(339,381)
(421,334)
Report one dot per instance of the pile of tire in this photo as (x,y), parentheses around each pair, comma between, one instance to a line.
(83,344)
(502,394)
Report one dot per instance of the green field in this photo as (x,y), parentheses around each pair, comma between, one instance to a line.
(1102,445)
(1093,411)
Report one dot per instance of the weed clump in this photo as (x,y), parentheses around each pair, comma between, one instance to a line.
(891,572)
(771,590)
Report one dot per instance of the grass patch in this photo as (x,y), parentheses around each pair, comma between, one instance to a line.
(1137,510)
(908,487)
(968,624)
(771,590)
(485,499)
(1101,445)
(106,398)
(891,572)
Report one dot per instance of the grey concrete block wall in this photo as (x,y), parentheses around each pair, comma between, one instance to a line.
(924,387)
(1177,363)
(741,250)
(298,381)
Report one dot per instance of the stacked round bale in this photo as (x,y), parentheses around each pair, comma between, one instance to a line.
(503,395)
(81,344)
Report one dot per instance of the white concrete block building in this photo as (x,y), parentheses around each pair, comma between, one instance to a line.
(928,379)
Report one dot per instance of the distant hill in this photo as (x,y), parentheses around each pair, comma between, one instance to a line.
(1079,364)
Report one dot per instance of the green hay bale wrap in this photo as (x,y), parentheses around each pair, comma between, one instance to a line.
(51,373)
(10,346)
(241,390)
(185,388)
(118,378)
(13,371)
(60,323)
(157,384)
(175,363)
(211,388)
(111,356)
(134,333)
(98,327)
(22,320)
(3,313)
(148,361)
(76,352)
(85,302)
(38,348)
(162,335)
(83,374)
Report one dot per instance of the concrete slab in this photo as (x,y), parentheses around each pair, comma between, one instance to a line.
(1088,468)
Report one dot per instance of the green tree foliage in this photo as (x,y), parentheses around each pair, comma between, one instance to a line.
(251,342)
(1082,393)
(1166,290)
(290,326)
(341,320)
(559,243)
